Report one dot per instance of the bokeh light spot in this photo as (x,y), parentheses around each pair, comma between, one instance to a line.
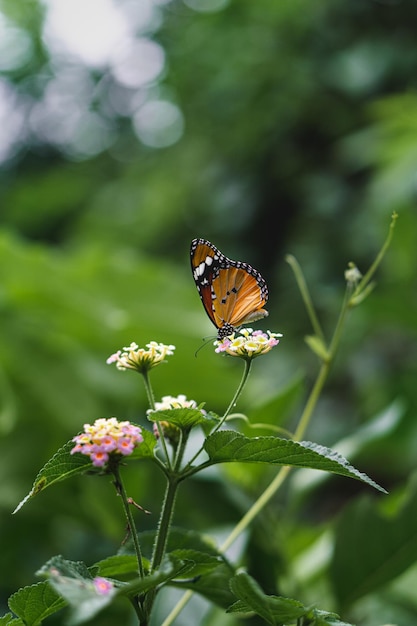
(158,123)
(138,63)
(15,46)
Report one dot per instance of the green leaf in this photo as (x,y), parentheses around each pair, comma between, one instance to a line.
(124,566)
(144,450)
(380,428)
(9,620)
(36,602)
(64,465)
(171,568)
(324,618)
(73,581)
(213,586)
(120,566)
(274,610)
(64,567)
(61,466)
(183,418)
(372,549)
(228,446)
(202,563)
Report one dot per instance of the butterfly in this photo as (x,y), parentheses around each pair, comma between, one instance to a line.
(232,292)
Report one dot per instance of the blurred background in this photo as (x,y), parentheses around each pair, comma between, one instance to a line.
(128,127)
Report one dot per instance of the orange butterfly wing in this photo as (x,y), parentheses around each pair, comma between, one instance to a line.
(232,292)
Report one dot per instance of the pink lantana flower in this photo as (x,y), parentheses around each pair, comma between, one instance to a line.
(107,437)
(103,586)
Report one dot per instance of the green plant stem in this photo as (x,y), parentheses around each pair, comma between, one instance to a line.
(365,280)
(305,294)
(148,388)
(246,372)
(162,535)
(151,401)
(164,522)
(128,512)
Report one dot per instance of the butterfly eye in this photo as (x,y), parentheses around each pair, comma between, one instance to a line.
(232,292)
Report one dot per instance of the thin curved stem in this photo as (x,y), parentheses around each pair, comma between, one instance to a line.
(305,294)
(151,401)
(246,372)
(128,512)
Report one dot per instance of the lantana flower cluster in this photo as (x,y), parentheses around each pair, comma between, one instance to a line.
(174,402)
(106,437)
(134,358)
(248,343)
(171,432)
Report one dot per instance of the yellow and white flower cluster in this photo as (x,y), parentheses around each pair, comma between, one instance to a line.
(134,358)
(248,343)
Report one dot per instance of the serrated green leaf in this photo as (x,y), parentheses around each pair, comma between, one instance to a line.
(64,465)
(379,428)
(324,618)
(36,602)
(372,549)
(183,418)
(274,610)
(213,586)
(202,563)
(228,446)
(9,620)
(171,568)
(74,582)
(145,449)
(57,564)
(61,466)
(120,566)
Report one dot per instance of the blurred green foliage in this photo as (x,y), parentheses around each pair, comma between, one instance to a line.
(299,136)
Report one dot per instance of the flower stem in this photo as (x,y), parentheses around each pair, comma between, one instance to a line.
(164,522)
(151,401)
(128,512)
(246,372)
(365,280)
(248,365)
(162,534)
(148,388)
(305,294)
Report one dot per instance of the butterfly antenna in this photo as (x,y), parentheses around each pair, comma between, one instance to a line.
(204,344)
